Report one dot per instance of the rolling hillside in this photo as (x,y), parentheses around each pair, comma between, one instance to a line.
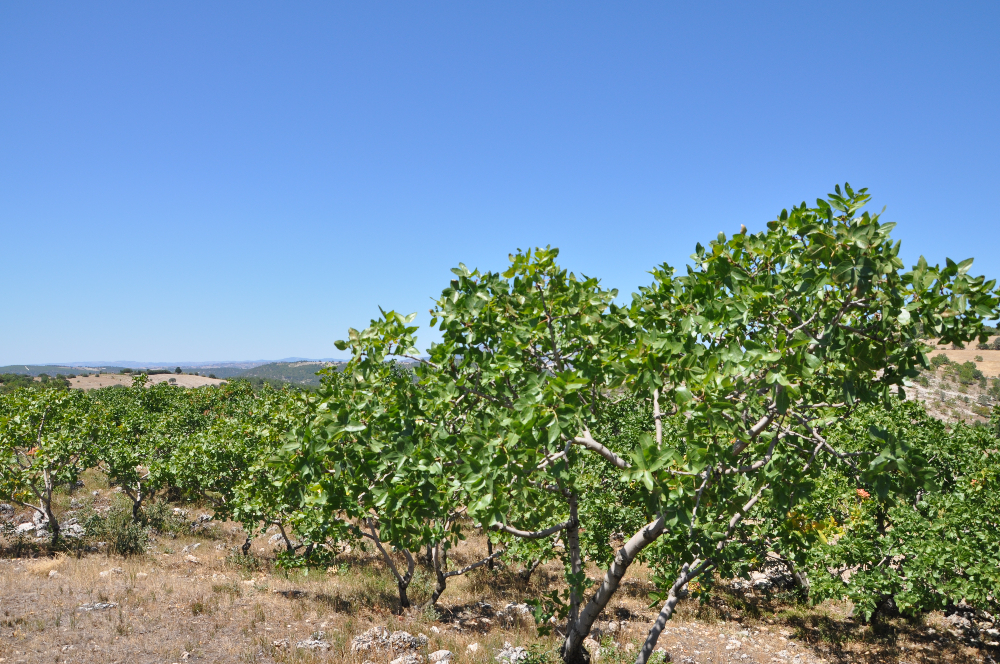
(297,373)
(52,369)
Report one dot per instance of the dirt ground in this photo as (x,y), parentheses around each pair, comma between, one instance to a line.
(190,598)
(93,381)
(989,365)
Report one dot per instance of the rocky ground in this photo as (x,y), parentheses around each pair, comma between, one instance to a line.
(192,598)
(947,398)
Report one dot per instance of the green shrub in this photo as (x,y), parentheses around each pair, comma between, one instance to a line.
(160,517)
(969,373)
(124,536)
(939,360)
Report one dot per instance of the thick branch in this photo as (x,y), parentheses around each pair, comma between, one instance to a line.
(686,575)
(757,428)
(587,441)
(577,632)
(537,534)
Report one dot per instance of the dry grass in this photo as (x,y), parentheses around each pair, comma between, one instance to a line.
(224,608)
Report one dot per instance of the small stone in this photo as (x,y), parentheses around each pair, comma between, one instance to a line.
(511,654)
(96,606)
(377,638)
(53,574)
(191,559)
(140,576)
(440,656)
(472,648)
(108,572)
(280,643)
(402,641)
(410,658)
(435,630)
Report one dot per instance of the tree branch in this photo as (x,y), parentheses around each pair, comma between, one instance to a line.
(587,441)
(480,563)
(526,534)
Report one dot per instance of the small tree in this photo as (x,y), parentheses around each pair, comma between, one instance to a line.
(47,439)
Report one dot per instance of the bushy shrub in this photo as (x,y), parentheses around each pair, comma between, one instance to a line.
(939,360)
(124,536)
(969,373)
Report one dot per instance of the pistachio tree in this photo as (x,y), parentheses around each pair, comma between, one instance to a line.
(909,541)
(135,441)
(765,341)
(364,468)
(47,438)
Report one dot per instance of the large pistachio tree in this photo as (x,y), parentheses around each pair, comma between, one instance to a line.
(743,361)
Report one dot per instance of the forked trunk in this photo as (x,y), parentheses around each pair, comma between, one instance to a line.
(572,650)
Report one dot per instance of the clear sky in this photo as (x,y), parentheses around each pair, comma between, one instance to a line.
(184,181)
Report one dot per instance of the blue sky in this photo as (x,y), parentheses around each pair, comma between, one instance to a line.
(223,181)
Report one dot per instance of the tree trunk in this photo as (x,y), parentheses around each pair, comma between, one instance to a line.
(47,506)
(441,582)
(687,573)
(572,650)
(403,582)
(288,542)
(526,573)
(137,503)
(575,560)
(53,524)
(801,580)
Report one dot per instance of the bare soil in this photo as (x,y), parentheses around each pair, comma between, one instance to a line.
(96,381)
(190,598)
(946,398)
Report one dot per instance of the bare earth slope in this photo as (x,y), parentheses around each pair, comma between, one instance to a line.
(109,380)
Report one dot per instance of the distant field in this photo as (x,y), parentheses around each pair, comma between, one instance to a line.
(297,373)
(109,380)
(989,365)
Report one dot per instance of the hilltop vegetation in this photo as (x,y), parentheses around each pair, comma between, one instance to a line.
(296,373)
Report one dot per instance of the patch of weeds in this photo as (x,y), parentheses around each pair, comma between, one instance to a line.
(227,589)
(198,608)
(160,517)
(311,558)
(538,654)
(245,562)
(124,536)
(122,627)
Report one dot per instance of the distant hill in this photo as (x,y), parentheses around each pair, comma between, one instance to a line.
(297,373)
(53,369)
